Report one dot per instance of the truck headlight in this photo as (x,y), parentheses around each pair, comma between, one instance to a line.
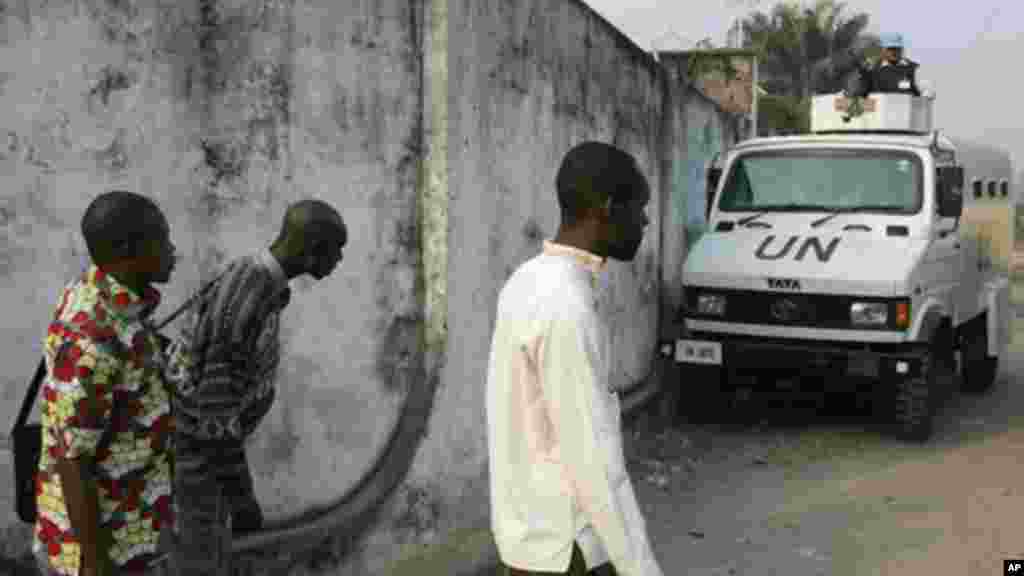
(869,313)
(711,304)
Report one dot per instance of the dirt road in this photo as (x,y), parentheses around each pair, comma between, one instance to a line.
(808,495)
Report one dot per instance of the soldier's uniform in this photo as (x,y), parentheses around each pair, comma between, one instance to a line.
(887,77)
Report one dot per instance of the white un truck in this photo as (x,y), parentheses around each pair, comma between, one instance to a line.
(861,257)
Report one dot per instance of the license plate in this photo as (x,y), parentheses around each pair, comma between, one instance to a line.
(699,352)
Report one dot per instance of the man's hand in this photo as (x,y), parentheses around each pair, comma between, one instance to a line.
(103,567)
(97,562)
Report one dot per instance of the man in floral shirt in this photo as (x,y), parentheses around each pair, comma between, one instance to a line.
(109,513)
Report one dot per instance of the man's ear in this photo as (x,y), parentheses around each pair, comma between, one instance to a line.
(605,210)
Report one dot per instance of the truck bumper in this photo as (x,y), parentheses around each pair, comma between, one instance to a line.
(744,356)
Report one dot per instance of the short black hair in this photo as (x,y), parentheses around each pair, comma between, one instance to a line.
(116,222)
(590,174)
(311,219)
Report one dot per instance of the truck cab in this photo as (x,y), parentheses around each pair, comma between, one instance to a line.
(841,259)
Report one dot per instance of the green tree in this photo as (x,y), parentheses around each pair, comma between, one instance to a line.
(805,50)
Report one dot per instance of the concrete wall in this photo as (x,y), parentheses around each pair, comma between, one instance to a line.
(528,80)
(91,97)
(225,111)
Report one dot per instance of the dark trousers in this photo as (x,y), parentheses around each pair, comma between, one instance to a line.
(577,567)
(212,509)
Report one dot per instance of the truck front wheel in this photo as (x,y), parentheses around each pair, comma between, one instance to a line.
(919,397)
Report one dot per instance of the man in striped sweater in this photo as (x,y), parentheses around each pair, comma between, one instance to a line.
(226,386)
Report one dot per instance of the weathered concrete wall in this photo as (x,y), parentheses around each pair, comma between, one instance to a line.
(699,130)
(322,99)
(532,79)
(92,96)
(225,111)
(706,136)
(528,80)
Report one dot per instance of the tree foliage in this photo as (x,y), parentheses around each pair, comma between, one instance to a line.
(805,50)
(709,62)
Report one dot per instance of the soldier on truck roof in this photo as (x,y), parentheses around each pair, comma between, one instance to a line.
(892,73)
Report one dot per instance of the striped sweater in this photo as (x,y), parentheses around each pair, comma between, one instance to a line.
(225,372)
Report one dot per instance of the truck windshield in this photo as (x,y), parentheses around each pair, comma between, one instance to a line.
(824,180)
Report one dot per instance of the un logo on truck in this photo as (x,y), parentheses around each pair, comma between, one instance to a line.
(823,253)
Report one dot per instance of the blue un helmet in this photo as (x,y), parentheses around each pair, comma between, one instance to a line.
(891,40)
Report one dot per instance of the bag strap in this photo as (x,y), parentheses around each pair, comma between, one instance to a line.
(30,396)
(190,302)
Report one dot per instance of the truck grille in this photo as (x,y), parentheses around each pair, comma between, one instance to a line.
(785,308)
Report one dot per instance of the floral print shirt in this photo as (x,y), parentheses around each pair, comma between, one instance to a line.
(99,352)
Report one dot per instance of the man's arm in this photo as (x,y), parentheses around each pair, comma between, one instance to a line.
(84,374)
(572,378)
(253,369)
(221,359)
(82,501)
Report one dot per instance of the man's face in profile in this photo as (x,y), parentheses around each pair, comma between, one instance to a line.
(892,55)
(627,223)
(153,257)
(329,252)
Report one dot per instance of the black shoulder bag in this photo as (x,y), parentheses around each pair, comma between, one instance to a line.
(27,446)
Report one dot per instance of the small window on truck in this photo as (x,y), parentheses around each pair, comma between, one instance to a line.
(992,188)
(1004,188)
(977,188)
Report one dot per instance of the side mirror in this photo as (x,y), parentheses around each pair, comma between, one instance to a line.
(714,175)
(950,187)
(956,175)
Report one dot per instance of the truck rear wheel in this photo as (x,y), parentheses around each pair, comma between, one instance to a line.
(702,397)
(918,398)
(979,369)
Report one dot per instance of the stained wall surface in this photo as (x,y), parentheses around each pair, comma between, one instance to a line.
(435,127)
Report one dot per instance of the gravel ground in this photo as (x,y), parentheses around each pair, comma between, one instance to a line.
(808,493)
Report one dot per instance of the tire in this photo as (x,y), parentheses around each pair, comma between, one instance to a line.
(919,398)
(979,369)
(702,398)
